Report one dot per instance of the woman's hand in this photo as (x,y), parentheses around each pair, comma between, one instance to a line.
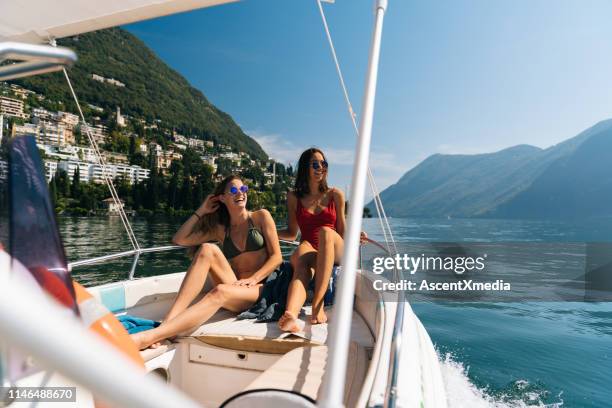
(363,238)
(248,282)
(209,206)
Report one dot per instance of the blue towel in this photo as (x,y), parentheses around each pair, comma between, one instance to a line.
(135,324)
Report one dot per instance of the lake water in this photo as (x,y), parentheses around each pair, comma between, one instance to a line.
(494,354)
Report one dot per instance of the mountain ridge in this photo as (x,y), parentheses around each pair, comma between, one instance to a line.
(509,183)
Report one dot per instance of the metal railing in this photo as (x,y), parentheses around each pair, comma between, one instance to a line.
(33,59)
(396,347)
(396,342)
(136,254)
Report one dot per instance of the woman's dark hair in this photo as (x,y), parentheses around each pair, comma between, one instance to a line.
(210,221)
(301,187)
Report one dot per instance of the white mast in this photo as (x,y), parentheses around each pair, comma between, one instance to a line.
(339,337)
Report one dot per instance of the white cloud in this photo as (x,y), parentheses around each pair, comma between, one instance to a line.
(277,147)
(387,167)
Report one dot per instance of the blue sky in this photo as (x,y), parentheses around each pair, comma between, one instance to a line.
(455,76)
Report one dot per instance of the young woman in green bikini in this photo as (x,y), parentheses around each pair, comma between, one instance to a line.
(237,270)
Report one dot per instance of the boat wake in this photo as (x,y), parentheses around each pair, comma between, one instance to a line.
(462,393)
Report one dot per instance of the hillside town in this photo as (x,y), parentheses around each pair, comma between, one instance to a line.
(133,149)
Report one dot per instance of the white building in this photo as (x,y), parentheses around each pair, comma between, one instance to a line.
(98,132)
(41,113)
(112,207)
(118,158)
(53,134)
(155,149)
(134,174)
(3,170)
(21,92)
(95,173)
(69,153)
(121,122)
(195,143)
(68,119)
(79,153)
(95,108)
(180,138)
(234,157)
(12,107)
(210,160)
(70,166)
(50,169)
(111,81)
(54,152)
(87,154)
(269,177)
(28,129)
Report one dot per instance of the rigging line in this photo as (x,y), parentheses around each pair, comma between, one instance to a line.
(105,175)
(378,211)
(385,218)
(377,200)
(101,161)
(352,113)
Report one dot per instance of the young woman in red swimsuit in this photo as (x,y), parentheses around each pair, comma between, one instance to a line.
(317,211)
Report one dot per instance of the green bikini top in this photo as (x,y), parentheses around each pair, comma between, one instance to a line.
(254,242)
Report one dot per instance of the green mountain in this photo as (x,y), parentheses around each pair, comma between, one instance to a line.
(152,89)
(572,179)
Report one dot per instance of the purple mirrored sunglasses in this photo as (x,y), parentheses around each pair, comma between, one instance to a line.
(235,190)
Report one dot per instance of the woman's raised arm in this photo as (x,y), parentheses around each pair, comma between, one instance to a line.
(338,197)
(186,236)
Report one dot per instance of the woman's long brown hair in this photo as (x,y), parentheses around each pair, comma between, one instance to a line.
(302,187)
(211,221)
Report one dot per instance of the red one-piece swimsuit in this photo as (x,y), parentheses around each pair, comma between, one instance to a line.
(310,223)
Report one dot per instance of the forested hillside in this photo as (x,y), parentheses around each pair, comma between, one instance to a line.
(153,91)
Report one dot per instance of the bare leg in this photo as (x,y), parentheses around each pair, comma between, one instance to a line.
(331,246)
(302,260)
(208,258)
(231,297)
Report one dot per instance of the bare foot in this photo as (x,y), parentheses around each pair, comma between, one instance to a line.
(290,323)
(144,340)
(318,315)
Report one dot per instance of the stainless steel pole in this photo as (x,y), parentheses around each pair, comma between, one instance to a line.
(340,328)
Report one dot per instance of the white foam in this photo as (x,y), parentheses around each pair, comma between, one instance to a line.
(461,393)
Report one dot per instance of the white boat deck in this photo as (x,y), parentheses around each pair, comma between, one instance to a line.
(226,331)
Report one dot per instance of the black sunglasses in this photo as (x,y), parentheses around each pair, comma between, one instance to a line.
(317,164)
